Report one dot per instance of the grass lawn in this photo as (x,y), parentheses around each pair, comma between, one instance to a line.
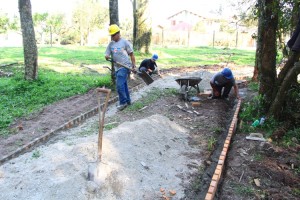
(70,70)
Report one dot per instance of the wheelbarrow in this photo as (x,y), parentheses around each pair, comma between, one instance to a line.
(186,84)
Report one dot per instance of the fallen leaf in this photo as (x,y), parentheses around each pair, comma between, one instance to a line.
(172,192)
(20,127)
(186,105)
(162,189)
(257,182)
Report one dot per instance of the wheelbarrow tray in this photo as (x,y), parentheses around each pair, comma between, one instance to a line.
(188,81)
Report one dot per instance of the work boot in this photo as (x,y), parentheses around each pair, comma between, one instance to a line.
(121,107)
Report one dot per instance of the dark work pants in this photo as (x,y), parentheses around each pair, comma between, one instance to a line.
(227,87)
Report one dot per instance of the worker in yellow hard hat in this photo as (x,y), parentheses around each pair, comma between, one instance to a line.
(121,51)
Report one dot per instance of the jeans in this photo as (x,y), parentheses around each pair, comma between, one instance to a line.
(122,87)
(227,87)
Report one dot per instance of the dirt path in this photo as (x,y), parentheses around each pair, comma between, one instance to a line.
(160,146)
(260,170)
(52,116)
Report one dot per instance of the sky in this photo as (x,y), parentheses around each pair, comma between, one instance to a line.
(159,9)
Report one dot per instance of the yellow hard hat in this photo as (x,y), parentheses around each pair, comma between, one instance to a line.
(113,29)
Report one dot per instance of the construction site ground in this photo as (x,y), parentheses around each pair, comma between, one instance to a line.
(160,147)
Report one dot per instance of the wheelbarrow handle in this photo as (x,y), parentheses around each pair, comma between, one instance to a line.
(103,90)
(110,60)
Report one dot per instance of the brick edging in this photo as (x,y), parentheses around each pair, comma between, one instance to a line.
(70,124)
(220,166)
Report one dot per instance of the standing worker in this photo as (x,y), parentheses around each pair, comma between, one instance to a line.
(120,50)
(223,79)
(149,65)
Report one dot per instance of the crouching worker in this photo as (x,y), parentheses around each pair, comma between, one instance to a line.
(223,79)
(149,65)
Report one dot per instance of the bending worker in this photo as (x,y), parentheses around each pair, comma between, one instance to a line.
(223,79)
(149,65)
(122,52)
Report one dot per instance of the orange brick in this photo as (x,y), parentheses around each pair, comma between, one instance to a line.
(211,189)
(204,94)
(220,162)
(196,104)
(219,167)
(209,196)
(222,158)
(215,177)
(213,183)
(223,153)
(225,149)
(218,172)
(226,145)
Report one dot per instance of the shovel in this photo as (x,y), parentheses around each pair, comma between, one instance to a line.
(146,77)
(94,168)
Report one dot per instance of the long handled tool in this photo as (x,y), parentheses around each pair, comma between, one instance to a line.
(146,77)
(93,170)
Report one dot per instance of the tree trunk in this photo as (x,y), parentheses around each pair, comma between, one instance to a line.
(259,46)
(288,65)
(141,31)
(113,12)
(278,103)
(135,23)
(255,73)
(295,14)
(29,43)
(113,19)
(268,19)
(51,36)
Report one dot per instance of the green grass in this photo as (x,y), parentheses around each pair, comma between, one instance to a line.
(168,57)
(243,190)
(150,97)
(178,57)
(258,157)
(110,126)
(253,86)
(291,138)
(217,130)
(62,75)
(36,154)
(211,142)
(20,98)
